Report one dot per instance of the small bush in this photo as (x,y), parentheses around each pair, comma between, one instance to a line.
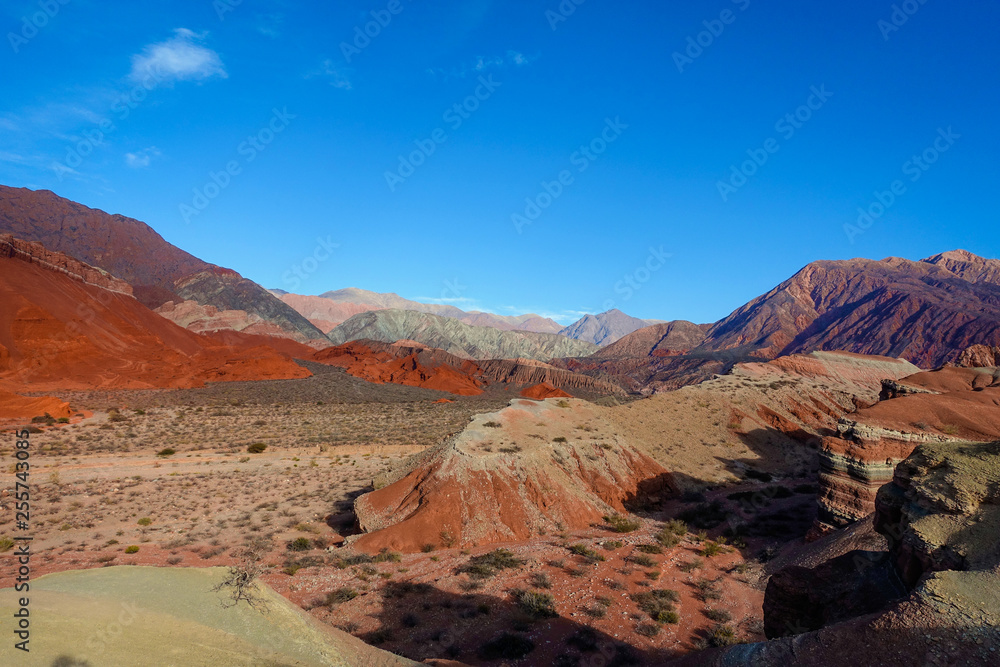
(585,551)
(63,420)
(340,596)
(657,603)
(611,545)
(722,635)
(650,548)
(648,629)
(427,548)
(642,560)
(145,521)
(489,564)
(492,424)
(386,556)
(256,448)
(559,439)
(6,544)
(132,549)
(719,615)
(300,544)
(538,605)
(506,647)
(622,524)
(712,549)
(166,452)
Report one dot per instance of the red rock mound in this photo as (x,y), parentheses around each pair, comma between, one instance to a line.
(509,477)
(542,391)
(430,369)
(60,329)
(14,407)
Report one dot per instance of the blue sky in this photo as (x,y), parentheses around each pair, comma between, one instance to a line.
(640,109)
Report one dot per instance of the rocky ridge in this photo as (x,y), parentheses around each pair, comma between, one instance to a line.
(455,337)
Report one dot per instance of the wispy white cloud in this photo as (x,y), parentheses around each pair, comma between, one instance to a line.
(335,75)
(143,158)
(183,57)
(481,64)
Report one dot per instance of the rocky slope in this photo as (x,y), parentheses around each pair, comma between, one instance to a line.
(931,598)
(455,337)
(604,328)
(947,405)
(65,325)
(510,475)
(131,251)
(926,312)
(759,418)
(413,364)
(667,339)
(921,311)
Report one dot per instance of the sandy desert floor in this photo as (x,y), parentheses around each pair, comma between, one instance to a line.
(165,478)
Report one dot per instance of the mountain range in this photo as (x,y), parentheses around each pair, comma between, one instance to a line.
(925,311)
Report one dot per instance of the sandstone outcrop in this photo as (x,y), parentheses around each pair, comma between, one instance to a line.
(510,475)
(947,405)
(941,520)
(980,356)
(23,409)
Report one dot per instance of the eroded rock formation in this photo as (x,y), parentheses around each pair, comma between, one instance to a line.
(947,405)
(511,475)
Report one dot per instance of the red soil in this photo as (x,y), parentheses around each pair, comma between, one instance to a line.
(544,390)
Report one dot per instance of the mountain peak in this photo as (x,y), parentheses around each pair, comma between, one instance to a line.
(956,256)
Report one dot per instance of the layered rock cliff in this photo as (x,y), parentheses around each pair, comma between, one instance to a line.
(947,405)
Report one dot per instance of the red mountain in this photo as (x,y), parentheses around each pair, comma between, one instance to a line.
(926,312)
(128,249)
(67,325)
